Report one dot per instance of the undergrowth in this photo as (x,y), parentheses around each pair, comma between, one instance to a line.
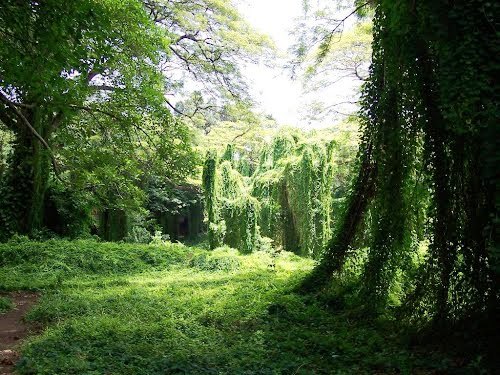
(5,304)
(36,265)
(171,309)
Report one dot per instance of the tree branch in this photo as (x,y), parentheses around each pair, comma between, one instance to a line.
(33,131)
(242,134)
(326,41)
(175,109)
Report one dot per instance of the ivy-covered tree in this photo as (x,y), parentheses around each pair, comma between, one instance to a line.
(428,149)
(290,197)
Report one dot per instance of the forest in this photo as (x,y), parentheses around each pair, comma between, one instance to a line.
(249,187)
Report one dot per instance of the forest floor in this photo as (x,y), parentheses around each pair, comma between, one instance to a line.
(171,309)
(13,328)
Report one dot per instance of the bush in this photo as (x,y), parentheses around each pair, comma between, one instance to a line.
(160,239)
(221,259)
(5,304)
(138,234)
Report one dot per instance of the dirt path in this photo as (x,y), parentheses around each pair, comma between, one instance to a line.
(13,329)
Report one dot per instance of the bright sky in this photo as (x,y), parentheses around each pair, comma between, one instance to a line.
(276,93)
(273,89)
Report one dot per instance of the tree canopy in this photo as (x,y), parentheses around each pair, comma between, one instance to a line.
(82,83)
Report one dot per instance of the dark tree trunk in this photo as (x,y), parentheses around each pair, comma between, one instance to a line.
(25,181)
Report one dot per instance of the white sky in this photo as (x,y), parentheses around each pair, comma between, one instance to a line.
(273,89)
(276,93)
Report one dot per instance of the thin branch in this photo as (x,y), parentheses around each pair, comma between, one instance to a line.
(196,110)
(175,109)
(33,131)
(242,134)
(342,21)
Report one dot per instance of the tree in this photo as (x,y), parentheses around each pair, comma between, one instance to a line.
(60,60)
(69,70)
(210,40)
(427,150)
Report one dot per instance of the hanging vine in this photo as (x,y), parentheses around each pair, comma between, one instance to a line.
(430,118)
(289,197)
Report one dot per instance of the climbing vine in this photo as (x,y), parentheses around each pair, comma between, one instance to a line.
(426,182)
(289,198)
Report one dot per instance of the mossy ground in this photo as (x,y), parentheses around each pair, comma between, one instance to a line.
(167,309)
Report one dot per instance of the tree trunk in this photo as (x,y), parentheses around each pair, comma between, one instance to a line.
(25,182)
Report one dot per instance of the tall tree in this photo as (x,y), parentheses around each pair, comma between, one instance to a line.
(69,69)
(59,59)
(430,112)
(210,40)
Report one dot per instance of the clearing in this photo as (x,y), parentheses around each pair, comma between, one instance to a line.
(108,308)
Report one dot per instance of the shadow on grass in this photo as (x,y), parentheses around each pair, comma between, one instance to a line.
(191,322)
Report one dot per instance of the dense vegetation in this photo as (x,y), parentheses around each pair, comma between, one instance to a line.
(350,249)
(164,308)
(286,198)
(84,112)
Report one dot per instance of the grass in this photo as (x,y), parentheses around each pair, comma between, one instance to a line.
(170,309)
(5,304)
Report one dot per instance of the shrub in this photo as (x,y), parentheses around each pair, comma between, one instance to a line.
(221,259)
(138,234)
(5,304)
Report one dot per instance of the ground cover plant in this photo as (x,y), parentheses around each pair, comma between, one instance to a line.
(173,309)
(5,304)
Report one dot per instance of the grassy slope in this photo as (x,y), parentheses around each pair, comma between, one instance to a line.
(138,309)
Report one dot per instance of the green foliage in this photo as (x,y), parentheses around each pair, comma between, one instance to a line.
(240,216)
(138,234)
(165,197)
(15,192)
(220,259)
(243,131)
(196,321)
(169,203)
(288,198)
(68,212)
(5,304)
